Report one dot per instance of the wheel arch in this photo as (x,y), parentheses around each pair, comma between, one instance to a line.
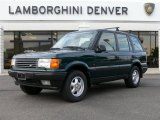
(81,66)
(138,64)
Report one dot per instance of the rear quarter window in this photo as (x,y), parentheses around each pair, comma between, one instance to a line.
(136,44)
(122,42)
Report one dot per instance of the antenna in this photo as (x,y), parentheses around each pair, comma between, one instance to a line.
(117,28)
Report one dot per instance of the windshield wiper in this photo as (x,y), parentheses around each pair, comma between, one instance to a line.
(55,48)
(74,47)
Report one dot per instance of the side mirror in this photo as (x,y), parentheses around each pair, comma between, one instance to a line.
(100,48)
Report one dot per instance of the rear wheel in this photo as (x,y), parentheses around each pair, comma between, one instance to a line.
(134,78)
(75,87)
(30,90)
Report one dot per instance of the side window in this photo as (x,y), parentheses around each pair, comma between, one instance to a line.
(122,42)
(108,40)
(136,44)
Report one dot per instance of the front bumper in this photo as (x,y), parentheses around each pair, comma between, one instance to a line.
(34,78)
(144,67)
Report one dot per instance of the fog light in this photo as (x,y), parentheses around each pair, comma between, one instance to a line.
(45,82)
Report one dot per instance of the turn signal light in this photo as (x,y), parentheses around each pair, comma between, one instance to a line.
(55,63)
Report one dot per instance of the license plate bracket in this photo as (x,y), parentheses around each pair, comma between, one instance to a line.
(21,76)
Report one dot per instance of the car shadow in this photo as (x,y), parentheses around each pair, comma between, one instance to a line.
(103,88)
(107,88)
(50,95)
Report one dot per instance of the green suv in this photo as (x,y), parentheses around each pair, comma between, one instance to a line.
(79,60)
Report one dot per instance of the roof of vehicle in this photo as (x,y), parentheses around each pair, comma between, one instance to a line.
(106,29)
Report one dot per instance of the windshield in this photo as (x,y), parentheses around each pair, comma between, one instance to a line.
(76,39)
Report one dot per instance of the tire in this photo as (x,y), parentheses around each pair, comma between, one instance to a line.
(75,86)
(133,80)
(30,90)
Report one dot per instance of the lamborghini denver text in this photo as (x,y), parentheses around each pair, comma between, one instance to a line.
(68,10)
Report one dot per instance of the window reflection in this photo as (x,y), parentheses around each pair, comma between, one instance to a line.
(8,49)
(149,41)
(38,41)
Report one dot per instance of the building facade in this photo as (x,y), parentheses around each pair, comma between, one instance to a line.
(39,24)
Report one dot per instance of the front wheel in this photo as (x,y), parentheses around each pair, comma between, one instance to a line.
(134,78)
(75,87)
(30,90)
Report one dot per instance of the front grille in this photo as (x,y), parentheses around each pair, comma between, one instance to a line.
(26,63)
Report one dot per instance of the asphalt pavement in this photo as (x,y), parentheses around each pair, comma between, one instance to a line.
(109,101)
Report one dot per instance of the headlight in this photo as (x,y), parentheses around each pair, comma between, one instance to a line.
(49,63)
(13,62)
(44,63)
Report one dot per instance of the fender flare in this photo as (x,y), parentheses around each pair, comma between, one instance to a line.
(76,63)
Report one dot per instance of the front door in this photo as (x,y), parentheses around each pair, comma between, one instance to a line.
(106,64)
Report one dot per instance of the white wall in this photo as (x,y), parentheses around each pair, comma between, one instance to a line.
(75,25)
(135,12)
(136,19)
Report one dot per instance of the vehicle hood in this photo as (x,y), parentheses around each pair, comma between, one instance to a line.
(47,54)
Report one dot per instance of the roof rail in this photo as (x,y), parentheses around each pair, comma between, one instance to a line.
(130,31)
(117,28)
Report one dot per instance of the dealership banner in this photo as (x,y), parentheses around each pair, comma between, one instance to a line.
(79,10)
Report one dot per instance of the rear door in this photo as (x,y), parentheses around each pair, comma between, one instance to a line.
(124,53)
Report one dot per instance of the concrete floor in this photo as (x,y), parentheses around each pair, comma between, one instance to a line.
(109,101)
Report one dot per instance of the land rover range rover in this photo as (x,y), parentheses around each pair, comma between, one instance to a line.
(79,60)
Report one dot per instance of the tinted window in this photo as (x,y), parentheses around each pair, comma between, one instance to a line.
(122,42)
(108,40)
(136,44)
